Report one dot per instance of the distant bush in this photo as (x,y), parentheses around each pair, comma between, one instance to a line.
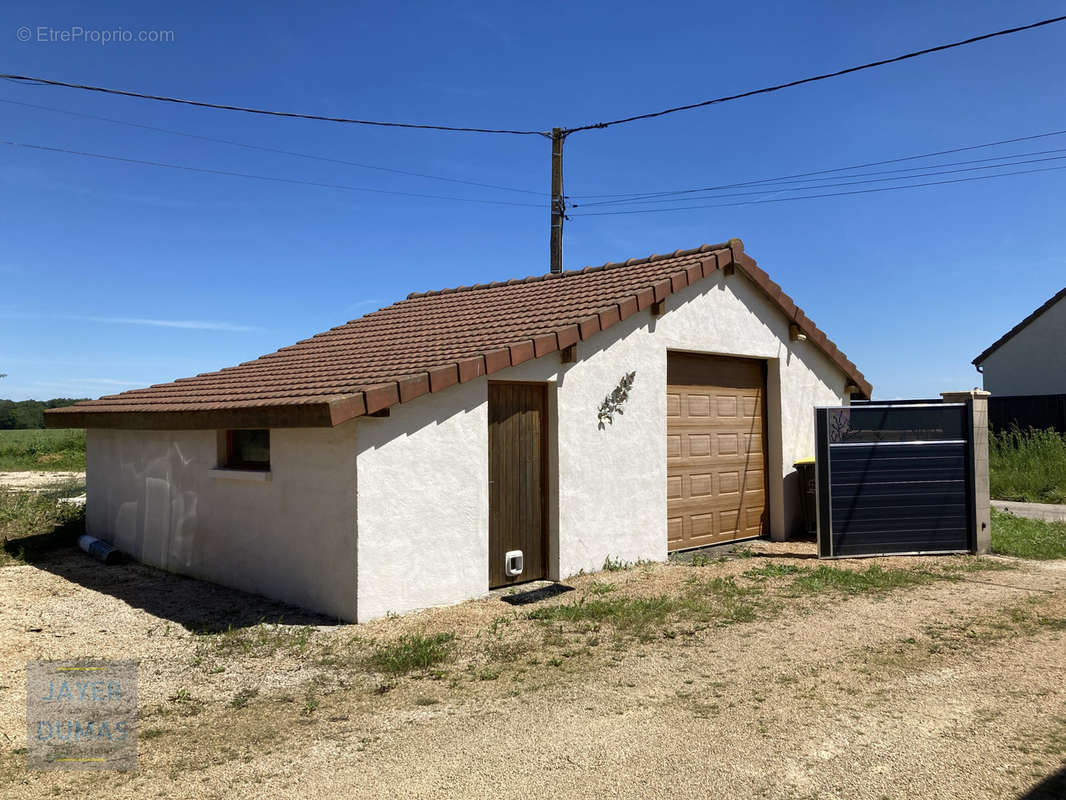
(1027,465)
(21,414)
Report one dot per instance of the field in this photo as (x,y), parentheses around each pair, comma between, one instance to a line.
(38,449)
(760,673)
(1027,466)
(1027,538)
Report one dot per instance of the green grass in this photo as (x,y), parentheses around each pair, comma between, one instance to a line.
(1029,466)
(1027,538)
(411,652)
(873,579)
(37,449)
(772,570)
(32,525)
(718,600)
(259,641)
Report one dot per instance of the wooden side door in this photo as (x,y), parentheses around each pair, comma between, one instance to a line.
(716,449)
(517,481)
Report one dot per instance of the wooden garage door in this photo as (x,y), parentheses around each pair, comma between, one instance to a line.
(517,480)
(715,449)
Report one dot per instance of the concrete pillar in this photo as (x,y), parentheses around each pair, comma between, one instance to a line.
(981,509)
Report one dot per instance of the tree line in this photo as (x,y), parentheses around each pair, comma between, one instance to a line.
(29,413)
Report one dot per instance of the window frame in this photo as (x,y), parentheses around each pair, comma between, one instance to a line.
(228,453)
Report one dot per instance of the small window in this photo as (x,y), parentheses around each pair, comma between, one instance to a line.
(246,449)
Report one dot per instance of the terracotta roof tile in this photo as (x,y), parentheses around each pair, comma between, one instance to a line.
(431,341)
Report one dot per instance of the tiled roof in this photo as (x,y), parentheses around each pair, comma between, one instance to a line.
(427,343)
(1002,340)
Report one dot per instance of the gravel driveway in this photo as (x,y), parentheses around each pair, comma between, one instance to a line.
(31,481)
(949,689)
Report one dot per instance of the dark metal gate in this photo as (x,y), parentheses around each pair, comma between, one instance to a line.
(895,478)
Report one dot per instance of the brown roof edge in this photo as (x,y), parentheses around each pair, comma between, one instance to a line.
(1002,340)
(311,415)
(795,314)
(402,388)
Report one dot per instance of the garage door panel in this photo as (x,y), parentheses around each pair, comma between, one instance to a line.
(673,487)
(674,530)
(673,446)
(700,484)
(696,445)
(715,448)
(728,444)
(698,406)
(727,407)
(673,404)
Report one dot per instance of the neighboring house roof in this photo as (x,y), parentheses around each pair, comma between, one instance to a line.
(1002,340)
(428,343)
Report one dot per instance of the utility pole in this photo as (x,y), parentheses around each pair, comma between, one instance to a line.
(558,206)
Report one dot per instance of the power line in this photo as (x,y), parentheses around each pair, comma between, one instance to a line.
(814,78)
(834,169)
(273,178)
(272,149)
(817,196)
(38,81)
(264,112)
(933,169)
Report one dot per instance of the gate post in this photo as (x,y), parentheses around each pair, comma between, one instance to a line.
(980,509)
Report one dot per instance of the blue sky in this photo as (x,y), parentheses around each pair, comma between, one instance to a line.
(118,275)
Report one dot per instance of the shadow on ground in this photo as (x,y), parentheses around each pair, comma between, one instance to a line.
(1053,787)
(741,549)
(198,606)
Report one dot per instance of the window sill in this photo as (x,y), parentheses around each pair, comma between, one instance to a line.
(258,475)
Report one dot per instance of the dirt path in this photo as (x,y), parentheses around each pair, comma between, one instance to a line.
(39,481)
(945,690)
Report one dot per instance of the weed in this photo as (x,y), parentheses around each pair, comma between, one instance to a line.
(257,640)
(33,525)
(1027,465)
(240,700)
(411,652)
(508,651)
(426,701)
(966,564)
(772,570)
(1027,538)
(633,615)
(611,564)
(150,733)
(845,581)
(600,587)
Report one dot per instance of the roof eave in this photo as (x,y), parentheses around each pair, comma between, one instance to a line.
(401,389)
(1002,340)
(327,414)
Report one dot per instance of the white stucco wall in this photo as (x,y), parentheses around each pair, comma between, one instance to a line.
(1033,361)
(423,503)
(155,496)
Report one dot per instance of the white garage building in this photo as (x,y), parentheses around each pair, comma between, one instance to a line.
(465,439)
